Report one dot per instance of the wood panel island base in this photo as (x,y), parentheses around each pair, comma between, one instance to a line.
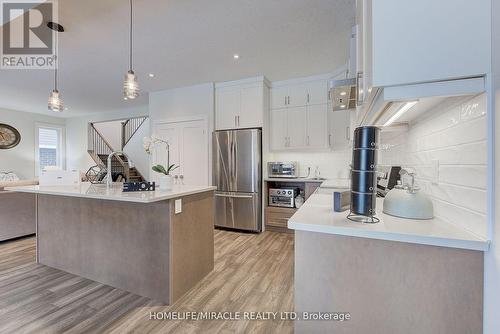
(135,242)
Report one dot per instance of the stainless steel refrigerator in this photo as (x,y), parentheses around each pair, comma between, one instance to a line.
(237,174)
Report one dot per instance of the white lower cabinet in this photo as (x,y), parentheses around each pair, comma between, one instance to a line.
(299,128)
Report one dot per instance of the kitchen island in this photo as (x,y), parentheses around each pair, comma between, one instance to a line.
(155,244)
(397,276)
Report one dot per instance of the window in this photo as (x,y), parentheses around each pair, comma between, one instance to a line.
(49,147)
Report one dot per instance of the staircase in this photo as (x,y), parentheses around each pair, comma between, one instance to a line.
(99,149)
(130,127)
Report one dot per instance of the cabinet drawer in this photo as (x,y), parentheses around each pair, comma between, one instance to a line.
(276,220)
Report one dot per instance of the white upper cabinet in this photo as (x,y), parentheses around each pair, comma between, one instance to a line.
(279,97)
(227,102)
(317,92)
(241,104)
(317,125)
(299,115)
(279,129)
(299,94)
(339,129)
(297,130)
(429,40)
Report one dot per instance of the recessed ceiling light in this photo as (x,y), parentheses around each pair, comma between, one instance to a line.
(125,98)
(342,106)
(343,93)
(151,75)
(236,56)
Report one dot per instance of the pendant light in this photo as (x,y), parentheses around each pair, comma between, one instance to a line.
(130,85)
(55,100)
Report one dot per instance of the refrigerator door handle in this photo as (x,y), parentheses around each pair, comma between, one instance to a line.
(233,196)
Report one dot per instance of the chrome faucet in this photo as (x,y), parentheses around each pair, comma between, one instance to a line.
(109,177)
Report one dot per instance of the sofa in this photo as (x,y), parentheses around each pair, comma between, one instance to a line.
(17,211)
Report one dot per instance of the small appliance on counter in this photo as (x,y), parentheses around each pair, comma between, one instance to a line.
(364,175)
(388,179)
(283,169)
(283,197)
(406,201)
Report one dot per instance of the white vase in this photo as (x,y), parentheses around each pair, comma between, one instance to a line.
(166,182)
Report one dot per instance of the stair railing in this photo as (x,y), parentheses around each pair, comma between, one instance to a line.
(130,127)
(98,146)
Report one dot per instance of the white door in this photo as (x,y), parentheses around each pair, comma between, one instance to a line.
(318,92)
(194,153)
(251,113)
(279,129)
(279,97)
(168,132)
(297,118)
(189,144)
(227,105)
(317,126)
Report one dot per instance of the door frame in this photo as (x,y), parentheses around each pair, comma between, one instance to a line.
(193,118)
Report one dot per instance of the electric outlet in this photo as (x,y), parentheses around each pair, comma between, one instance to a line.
(178,206)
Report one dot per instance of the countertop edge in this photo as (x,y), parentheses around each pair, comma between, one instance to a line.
(475,245)
(167,196)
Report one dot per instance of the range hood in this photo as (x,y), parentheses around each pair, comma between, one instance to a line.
(343,93)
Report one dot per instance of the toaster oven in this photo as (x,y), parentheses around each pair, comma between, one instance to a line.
(283,169)
(282,197)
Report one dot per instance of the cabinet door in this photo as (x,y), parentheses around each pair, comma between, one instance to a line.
(339,136)
(252,107)
(317,92)
(317,126)
(297,95)
(279,96)
(297,120)
(227,106)
(279,140)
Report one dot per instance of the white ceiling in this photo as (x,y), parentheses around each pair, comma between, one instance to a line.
(183,42)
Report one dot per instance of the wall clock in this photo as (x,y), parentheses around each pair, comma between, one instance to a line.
(9,137)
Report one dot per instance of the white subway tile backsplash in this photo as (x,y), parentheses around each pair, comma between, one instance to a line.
(469,176)
(447,147)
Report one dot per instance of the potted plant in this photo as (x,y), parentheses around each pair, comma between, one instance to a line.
(166,181)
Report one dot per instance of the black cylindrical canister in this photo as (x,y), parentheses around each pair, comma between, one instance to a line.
(364,159)
(363,174)
(366,137)
(363,181)
(363,203)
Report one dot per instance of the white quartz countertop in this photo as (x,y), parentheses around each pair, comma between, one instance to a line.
(88,190)
(317,215)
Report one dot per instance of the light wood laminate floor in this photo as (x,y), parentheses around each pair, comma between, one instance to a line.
(252,273)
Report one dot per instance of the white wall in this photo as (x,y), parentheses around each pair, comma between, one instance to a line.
(447,147)
(492,257)
(112,132)
(135,150)
(184,103)
(21,159)
(76,137)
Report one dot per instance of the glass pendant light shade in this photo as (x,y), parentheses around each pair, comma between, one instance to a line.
(55,101)
(131,86)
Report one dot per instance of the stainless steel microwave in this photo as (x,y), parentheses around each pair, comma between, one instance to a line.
(283,169)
